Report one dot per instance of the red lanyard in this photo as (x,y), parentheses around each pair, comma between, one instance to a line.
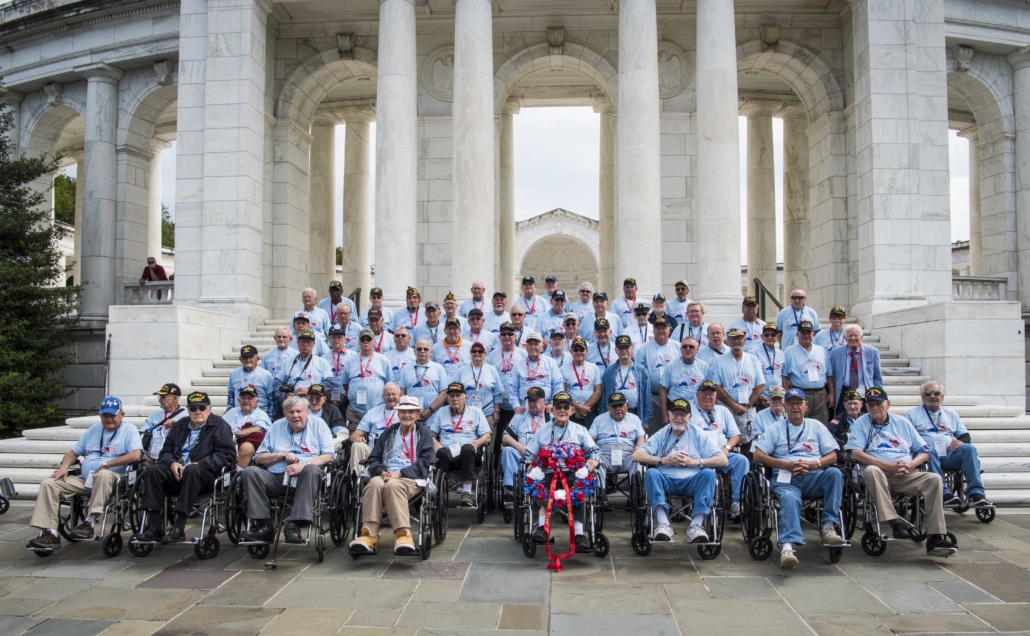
(506,365)
(481,304)
(629,304)
(532,373)
(414,322)
(410,446)
(336,362)
(534,424)
(531,310)
(457,352)
(386,424)
(362,369)
(379,347)
(579,380)
(456,424)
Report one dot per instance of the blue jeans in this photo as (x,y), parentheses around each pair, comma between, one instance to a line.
(511,459)
(700,486)
(963,458)
(739,465)
(827,484)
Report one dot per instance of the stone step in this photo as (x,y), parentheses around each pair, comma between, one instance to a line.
(59,433)
(26,475)
(1003,450)
(903,380)
(23,460)
(228,363)
(26,490)
(1014,497)
(1001,436)
(17,445)
(1005,464)
(894,362)
(207,383)
(905,401)
(991,423)
(257,342)
(219,372)
(86,421)
(900,371)
(1005,481)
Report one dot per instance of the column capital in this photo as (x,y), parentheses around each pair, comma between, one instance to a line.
(326,118)
(972,134)
(157,145)
(602,105)
(1019,59)
(760,108)
(512,106)
(793,110)
(99,71)
(359,115)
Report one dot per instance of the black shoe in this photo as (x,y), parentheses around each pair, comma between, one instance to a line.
(583,544)
(979,500)
(937,542)
(606,506)
(539,536)
(153,533)
(509,493)
(900,532)
(81,532)
(261,533)
(175,535)
(951,499)
(47,540)
(292,533)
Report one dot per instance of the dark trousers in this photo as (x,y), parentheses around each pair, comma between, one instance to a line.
(505,420)
(158,482)
(466,462)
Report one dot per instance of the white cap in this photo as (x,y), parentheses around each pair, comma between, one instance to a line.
(408,403)
(532,335)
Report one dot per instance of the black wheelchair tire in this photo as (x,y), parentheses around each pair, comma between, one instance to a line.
(258,551)
(836,554)
(601,545)
(985,515)
(112,545)
(641,546)
(140,550)
(43,553)
(873,544)
(528,545)
(709,552)
(320,547)
(207,547)
(5,505)
(760,548)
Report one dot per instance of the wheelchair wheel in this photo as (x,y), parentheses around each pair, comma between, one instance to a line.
(749,504)
(481,506)
(601,545)
(986,515)
(338,510)
(760,548)
(66,523)
(641,546)
(836,554)
(848,508)
(528,545)
(440,513)
(206,547)
(873,544)
(5,505)
(136,507)
(112,545)
(140,550)
(953,539)
(258,551)
(320,547)
(427,545)
(709,552)
(43,553)
(234,517)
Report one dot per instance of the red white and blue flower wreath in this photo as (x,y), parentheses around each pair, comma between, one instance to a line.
(559,457)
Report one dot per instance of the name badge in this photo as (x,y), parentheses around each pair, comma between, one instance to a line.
(743,395)
(616,457)
(813,375)
(337,395)
(939,445)
(476,401)
(288,481)
(362,397)
(89,479)
(455,450)
(783,476)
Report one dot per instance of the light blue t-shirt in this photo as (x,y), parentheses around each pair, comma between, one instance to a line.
(190,442)
(377,420)
(828,339)
(806,369)
(153,423)
(302,373)
(387,316)
(628,384)
(738,379)
(321,344)
(588,333)
(753,330)
(462,429)
(764,420)
(772,367)
(572,433)
(943,426)
(483,387)
(525,425)
(506,363)
(693,442)
(787,322)
(485,336)
(337,362)
(425,332)
(543,373)
(581,380)
(237,421)
(274,360)
(492,322)
(319,319)
(472,303)
(602,356)
(313,440)
(678,308)
(807,442)
(625,433)
(623,308)
(404,451)
(99,445)
(550,322)
(400,359)
(683,380)
(708,355)
(262,381)
(452,357)
(535,307)
(685,330)
(407,318)
(896,439)
(719,424)
(656,358)
(365,378)
(328,306)
(423,382)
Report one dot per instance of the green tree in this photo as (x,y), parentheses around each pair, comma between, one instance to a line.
(167,228)
(64,199)
(36,308)
(339,256)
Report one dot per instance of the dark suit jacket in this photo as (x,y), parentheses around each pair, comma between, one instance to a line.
(215,448)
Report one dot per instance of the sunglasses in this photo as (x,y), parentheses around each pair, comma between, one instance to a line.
(562,407)
(688,347)
(932,393)
(507,334)
(422,349)
(797,297)
(581,349)
(197,409)
(365,339)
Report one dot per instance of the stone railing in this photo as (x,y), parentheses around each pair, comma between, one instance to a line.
(154,293)
(978,288)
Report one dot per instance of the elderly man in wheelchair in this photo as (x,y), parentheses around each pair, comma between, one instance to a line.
(399,469)
(290,459)
(801,452)
(462,432)
(684,458)
(891,451)
(619,434)
(106,448)
(517,435)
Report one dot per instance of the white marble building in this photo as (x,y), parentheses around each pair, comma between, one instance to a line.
(251,89)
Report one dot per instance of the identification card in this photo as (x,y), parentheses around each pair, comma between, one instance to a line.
(130,476)
(940,445)
(813,375)
(288,481)
(89,479)
(616,457)
(476,401)
(225,480)
(783,476)
(337,395)
(455,450)
(743,395)
(362,397)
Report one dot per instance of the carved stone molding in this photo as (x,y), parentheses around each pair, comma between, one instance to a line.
(962,54)
(438,73)
(53,93)
(674,70)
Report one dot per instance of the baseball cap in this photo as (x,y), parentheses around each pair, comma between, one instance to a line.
(680,404)
(660,321)
(777,392)
(374,313)
(600,295)
(337,330)
(659,296)
(431,304)
(806,325)
(452,322)
(601,323)
(707,385)
(579,342)
(307,335)
(335,284)
(110,405)
(795,393)
(474,313)
(532,335)
(302,316)
(551,279)
(561,397)
(682,281)
(770,326)
(500,293)
(407,403)
(197,398)
(629,281)
(875,394)
(559,294)
(535,393)
(248,350)
(526,280)
(169,389)
(366,333)
(507,327)
(641,309)
(623,341)
(376,291)
(250,390)
(750,300)
(558,333)
(571,317)
(616,398)
(735,333)
(477,345)
(838,311)
(456,387)
(316,389)
(851,394)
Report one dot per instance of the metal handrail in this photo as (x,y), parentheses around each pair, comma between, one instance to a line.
(763,295)
(356,297)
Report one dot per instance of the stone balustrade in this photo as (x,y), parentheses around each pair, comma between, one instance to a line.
(152,293)
(978,288)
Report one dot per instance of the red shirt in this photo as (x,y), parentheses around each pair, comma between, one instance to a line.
(158,271)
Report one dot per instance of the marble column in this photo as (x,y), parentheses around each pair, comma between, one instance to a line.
(606,196)
(472,257)
(796,223)
(976,254)
(761,194)
(154,198)
(1020,61)
(322,203)
(99,214)
(506,216)
(718,159)
(396,150)
(80,184)
(357,206)
(639,168)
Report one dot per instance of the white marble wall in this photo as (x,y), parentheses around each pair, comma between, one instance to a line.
(435,209)
(679,199)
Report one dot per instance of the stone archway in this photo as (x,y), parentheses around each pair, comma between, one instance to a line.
(510,70)
(309,83)
(801,68)
(566,257)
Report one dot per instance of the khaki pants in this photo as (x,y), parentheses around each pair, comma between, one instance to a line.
(44,516)
(392,495)
(359,452)
(927,485)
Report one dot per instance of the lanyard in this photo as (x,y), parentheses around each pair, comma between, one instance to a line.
(303,369)
(414,321)
(363,369)
(940,416)
(103,445)
(475,378)
(643,333)
(531,310)
(710,416)
(797,317)
(531,373)
(629,304)
(419,378)
(456,424)
(506,365)
(336,362)
(754,329)
(579,380)
(293,439)
(690,333)
(675,442)
(191,441)
(564,431)
(457,352)
(834,342)
(606,357)
(379,345)
(791,445)
(770,355)
(879,429)
(411,444)
(387,423)
(434,332)
(481,304)
(623,379)
(534,424)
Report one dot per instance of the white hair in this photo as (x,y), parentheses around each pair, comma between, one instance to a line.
(853,327)
(930,383)
(309,289)
(283,329)
(294,399)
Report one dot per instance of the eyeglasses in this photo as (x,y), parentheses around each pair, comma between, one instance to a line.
(197,409)
(797,297)
(365,339)
(562,407)
(580,349)
(769,334)
(507,334)
(513,315)
(932,393)
(422,349)
(688,347)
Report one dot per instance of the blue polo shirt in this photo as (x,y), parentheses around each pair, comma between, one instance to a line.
(693,442)
(313,440)
(896,439)
(99,445)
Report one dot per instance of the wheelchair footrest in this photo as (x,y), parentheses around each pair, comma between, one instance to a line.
(246,543)
(846,544)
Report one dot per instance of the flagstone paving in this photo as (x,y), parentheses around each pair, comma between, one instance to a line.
(478,582)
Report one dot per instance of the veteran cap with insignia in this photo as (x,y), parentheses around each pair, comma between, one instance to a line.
(335,284)
(838,311)
(680,405)
(805,326)
(307,334)
(248,350)
(875,394)
(169,389)
(376,291)
(623,341)
(456,387)
(249,390)
(616,398)
(707,385)
(561,397)
(198,398)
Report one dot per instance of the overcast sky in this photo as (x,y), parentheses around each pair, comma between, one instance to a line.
(556,166)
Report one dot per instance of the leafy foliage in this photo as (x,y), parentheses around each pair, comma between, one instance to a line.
(167,228)
(64,199)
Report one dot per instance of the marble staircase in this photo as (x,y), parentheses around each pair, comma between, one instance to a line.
(1001,434)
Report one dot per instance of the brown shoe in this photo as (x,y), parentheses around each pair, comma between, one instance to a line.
(403,543)
(365,542)
(47,540)
(81,532)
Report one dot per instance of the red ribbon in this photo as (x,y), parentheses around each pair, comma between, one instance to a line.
(555,560)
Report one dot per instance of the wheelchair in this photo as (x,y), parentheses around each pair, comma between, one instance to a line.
(642,522)
(526,519)
(280,507)
(7,490)
(114,520)
(760,514)
(423,511)
(207,506)
(340,499)
(448,481)
(955,481)
(909,508)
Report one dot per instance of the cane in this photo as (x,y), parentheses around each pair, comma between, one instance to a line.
(278,526)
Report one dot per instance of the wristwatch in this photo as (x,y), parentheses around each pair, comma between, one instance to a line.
(701,463)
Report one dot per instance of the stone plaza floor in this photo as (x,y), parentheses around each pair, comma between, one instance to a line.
(478,581)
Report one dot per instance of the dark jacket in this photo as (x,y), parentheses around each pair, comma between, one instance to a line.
(426,454)
(214,449)
(332,416)
(608,382)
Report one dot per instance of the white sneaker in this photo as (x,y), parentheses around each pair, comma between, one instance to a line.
(830,537)
(735,509)
(697,534)
(664,532)
(787,560)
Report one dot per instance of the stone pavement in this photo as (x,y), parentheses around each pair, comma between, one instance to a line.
(478,582)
